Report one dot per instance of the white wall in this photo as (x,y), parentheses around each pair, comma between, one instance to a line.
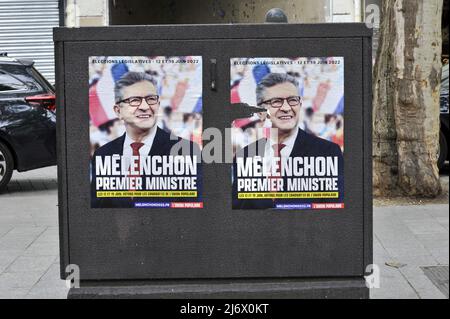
(82,13)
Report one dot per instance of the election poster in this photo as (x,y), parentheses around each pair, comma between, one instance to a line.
(145,134)
(288,155)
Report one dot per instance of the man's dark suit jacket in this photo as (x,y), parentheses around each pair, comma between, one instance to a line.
(305,145)
(162,145)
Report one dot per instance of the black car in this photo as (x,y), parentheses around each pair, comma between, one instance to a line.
(444,133)
(27,119)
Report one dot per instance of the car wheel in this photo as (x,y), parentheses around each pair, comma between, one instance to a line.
(6,166)
(443,149)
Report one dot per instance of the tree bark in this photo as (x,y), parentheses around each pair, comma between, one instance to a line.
(406,99)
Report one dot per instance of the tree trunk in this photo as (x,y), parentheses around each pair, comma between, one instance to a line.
(406,99)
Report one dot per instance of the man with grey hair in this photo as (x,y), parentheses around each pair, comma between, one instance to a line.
(279,94)
(137,104)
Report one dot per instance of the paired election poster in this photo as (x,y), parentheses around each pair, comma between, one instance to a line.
(145,131)
(289,155)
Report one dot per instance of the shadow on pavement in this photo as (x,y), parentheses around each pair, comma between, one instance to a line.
(30,185)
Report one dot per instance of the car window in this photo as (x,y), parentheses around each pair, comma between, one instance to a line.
(40,79)
(10,83)
(444,79)
(22,79)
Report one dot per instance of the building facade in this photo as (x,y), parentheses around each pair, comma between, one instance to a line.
(26,25)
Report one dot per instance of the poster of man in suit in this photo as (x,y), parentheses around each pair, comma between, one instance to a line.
(145,132)
(289,155)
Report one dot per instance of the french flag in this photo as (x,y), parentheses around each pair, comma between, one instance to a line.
(245,91)
(101,94)
(188,93)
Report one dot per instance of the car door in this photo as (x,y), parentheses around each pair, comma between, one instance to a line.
(25,124)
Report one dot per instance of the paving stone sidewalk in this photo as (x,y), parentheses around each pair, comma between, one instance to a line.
(407,237)
(29,249)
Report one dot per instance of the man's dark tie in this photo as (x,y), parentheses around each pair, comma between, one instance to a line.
(277,153)
(135,147)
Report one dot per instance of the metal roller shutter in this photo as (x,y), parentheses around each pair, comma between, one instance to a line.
(26,32)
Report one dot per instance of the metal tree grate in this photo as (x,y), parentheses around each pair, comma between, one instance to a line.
(438,276)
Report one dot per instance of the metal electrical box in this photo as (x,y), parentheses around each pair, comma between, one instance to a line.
(314,240)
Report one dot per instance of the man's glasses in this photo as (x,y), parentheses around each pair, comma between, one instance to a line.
(137,100)
(278,102)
